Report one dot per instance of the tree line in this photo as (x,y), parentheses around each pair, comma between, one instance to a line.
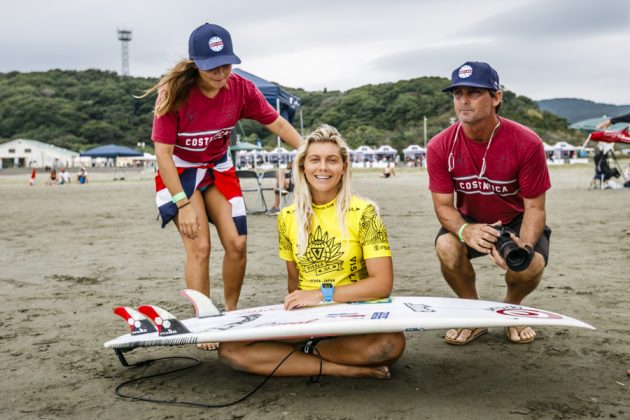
(83,109)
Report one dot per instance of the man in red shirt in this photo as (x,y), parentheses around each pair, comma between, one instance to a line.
(487,172)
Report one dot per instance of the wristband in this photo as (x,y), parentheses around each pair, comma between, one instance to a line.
(183,205)
(179,196)
(530,250)
(460,231)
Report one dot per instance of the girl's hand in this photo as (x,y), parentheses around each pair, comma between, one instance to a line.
(301,298)
(188,221)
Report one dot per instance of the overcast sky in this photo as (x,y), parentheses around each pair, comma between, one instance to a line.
(540,48)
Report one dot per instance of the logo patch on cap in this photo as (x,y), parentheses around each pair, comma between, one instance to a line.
(215,44)
(465,71)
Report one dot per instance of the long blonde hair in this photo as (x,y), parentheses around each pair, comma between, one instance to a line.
(173,87)
(302,193)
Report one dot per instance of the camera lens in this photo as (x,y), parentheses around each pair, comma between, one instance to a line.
(516,258)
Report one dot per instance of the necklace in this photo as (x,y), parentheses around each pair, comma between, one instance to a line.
(451,157)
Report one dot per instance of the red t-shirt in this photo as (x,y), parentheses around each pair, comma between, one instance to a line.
(200,129)
(516,168)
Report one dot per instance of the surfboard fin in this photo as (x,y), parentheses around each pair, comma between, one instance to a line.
(204,307)
(138,323)
(165,322)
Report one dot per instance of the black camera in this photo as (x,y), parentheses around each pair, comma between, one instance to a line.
(516,258)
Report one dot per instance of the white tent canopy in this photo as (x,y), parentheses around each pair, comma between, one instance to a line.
(366,150)
(362,153)
(547,147)
(279,154)
(414,149)
(563,145)
(386,150)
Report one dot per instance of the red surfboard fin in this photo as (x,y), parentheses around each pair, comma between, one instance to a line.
(138,323)
(165,322)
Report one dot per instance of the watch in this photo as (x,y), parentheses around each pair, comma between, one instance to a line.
(328,290)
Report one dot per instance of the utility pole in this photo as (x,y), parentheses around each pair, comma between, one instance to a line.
(124,36)
(424,131)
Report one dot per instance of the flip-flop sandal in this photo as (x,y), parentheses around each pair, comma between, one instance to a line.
(475,333)
(521,341)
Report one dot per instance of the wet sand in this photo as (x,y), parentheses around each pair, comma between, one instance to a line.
(69,254)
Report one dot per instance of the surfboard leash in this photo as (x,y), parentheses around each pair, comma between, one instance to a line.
(196,362)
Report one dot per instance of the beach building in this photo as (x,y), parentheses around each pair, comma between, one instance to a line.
(22,153)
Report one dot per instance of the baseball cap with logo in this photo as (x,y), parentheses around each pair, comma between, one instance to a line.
(474,74)
(210,46)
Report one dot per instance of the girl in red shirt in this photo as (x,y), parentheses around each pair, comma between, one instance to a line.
(199,103)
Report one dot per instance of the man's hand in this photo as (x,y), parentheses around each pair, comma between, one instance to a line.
(480,237)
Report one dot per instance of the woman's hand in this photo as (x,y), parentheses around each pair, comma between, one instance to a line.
(188,221)
(604,124)
(301,298)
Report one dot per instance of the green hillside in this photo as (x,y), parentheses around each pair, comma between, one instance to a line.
(81,109)
(74,109)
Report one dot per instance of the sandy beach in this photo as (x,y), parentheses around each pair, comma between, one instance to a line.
(70,254)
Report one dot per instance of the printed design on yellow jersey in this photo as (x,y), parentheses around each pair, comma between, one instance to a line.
(284,244)
(371,229)
(322,255)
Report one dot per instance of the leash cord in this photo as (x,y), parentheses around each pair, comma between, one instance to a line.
(196,362)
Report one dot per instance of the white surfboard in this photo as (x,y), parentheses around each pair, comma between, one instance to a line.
(154,326)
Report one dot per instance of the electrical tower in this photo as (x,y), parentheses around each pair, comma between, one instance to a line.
(124,36)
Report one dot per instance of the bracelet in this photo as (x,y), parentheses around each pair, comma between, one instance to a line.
(179,196)
(182,206)
(460,231)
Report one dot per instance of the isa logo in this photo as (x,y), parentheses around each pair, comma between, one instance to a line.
(380,315)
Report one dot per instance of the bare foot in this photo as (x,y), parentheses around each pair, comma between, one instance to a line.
(382,372)
(378,372)
(208,346)
(520,335)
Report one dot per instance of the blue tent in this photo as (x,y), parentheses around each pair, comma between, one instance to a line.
(111,151)
(285,103)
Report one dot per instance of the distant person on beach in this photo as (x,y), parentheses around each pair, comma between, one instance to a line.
(52,179)
(199,103)
(82,177)
(284,185)
(389,170)
(31,180)
(622,118)
(360,270)
(64,177)
(487,173)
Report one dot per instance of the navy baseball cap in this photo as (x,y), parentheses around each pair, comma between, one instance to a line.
(210,46)
(474,74)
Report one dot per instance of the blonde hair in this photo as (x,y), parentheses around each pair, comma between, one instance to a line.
(173,87)
(302,193)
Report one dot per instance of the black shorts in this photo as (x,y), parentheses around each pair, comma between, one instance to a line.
(542,246)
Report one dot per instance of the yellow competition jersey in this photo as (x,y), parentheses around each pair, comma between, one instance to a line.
(328,258)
